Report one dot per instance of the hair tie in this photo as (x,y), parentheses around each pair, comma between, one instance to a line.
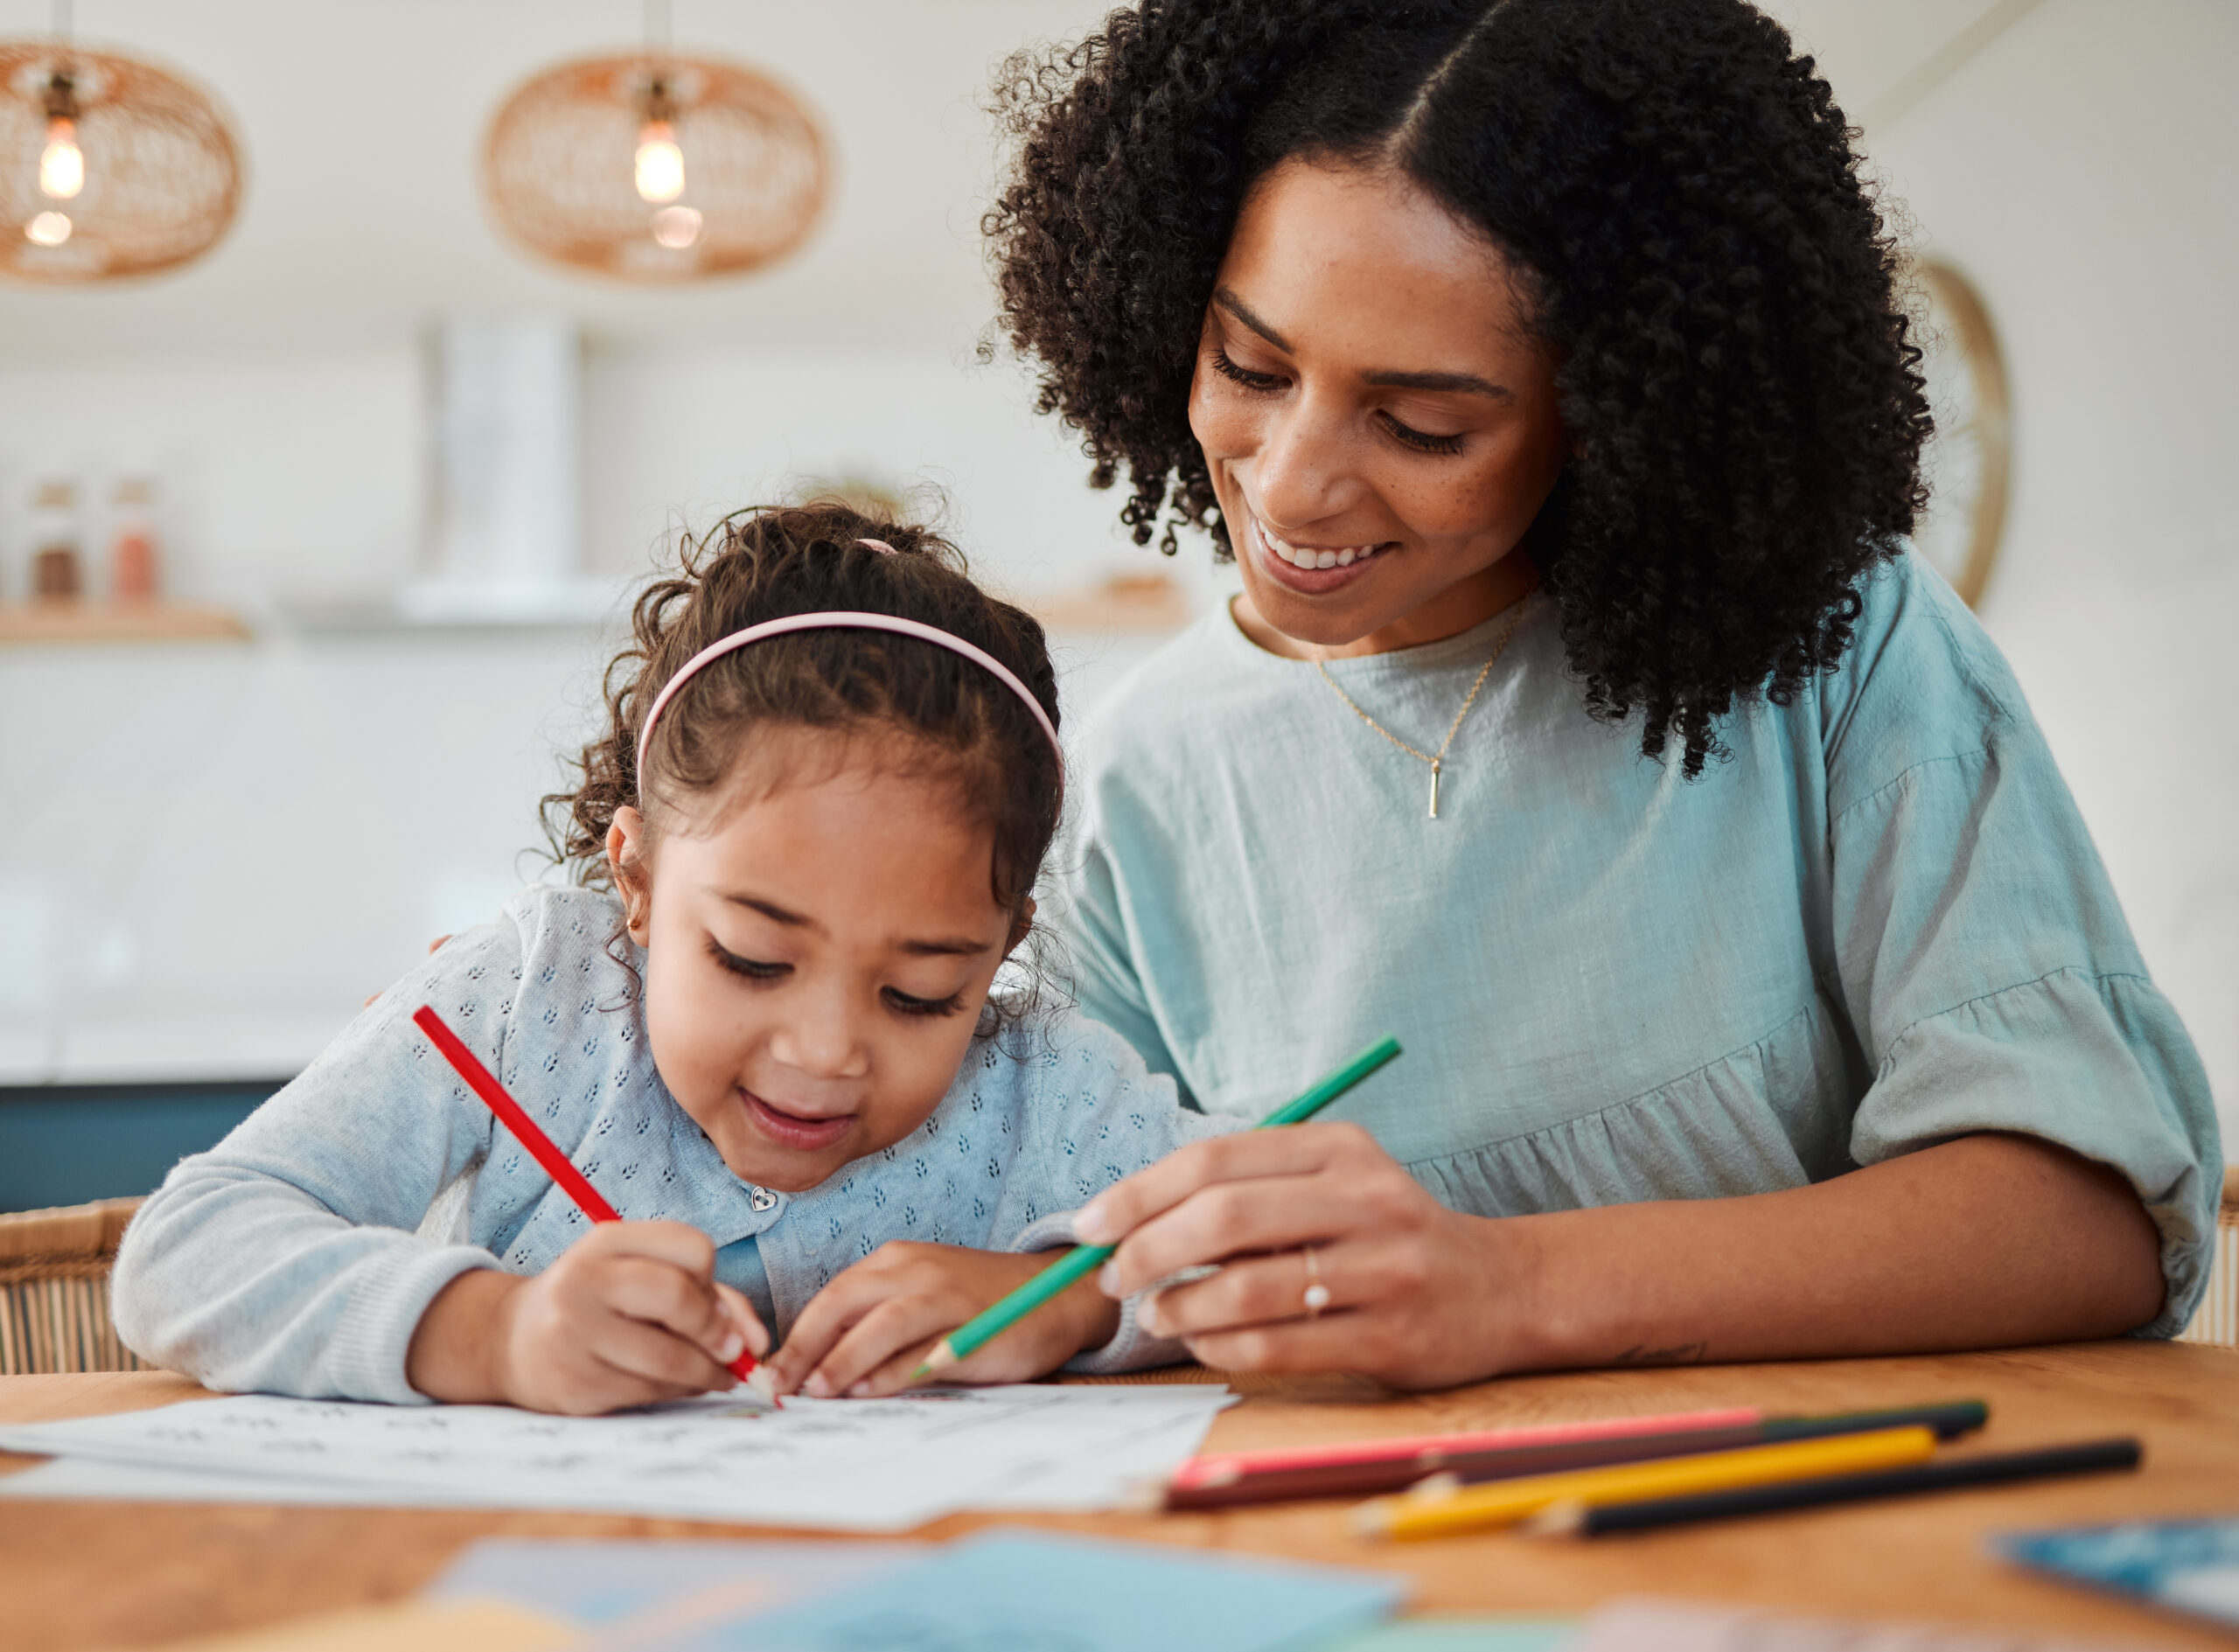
(837,620)
(879,545)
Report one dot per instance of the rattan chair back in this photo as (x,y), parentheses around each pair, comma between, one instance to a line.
(54,1268)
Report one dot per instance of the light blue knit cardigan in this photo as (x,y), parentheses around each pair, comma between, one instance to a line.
(297,1256)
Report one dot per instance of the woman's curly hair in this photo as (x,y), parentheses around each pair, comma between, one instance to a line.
(1676,192)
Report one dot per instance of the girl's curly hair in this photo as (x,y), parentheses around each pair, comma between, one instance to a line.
(758,565)
(1676,190)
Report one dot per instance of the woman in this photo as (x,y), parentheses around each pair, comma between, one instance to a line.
(1583,720)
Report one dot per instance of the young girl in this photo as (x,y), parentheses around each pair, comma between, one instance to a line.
(763,1030)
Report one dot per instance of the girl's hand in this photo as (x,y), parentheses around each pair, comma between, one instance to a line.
(1419,1296)
(867,1331)
(630,1313)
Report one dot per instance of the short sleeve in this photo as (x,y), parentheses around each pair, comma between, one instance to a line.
(1092,1113)
(1105,982)
(1983,958)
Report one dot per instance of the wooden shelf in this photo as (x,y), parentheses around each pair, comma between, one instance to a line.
(1125,603)
(76,622)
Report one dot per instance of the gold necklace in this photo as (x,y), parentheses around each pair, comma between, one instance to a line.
(1437,762)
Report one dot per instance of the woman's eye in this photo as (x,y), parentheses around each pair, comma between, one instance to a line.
(903,1004)
(1422,441)
(1228,369)
(752,969)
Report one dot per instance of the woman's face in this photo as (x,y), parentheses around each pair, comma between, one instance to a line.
(1379,424)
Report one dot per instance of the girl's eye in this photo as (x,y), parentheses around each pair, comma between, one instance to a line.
(902,1003)
(1228,369)
(752,969)
(1422,441)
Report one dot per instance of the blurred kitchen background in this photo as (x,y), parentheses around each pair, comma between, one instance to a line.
(352,501)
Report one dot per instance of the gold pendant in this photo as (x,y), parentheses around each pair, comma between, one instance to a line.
(1433,788)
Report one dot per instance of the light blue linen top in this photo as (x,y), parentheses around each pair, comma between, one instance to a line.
(297,1255)
(1882,925)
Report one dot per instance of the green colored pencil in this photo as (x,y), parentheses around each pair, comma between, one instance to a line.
(1083,1260)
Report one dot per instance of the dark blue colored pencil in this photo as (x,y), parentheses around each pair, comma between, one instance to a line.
(2096,1456)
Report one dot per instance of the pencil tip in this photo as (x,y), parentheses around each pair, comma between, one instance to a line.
(1372,1520)
(1563,1519)
(763,1387)
(939,1359)
(1142,1497)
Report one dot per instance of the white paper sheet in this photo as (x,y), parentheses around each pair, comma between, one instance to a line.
(849,1465)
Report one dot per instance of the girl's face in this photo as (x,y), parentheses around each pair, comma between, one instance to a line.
(816,957)
(1370,403)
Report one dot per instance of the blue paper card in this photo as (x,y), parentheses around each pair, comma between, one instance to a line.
(1045,1592)
(628,1585)
(2191,1565)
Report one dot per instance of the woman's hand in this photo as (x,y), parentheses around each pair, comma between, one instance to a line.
(1978,1243)
(630,1313)
(1419,1296)
(865,1332)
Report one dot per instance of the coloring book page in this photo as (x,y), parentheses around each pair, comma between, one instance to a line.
(880,1465)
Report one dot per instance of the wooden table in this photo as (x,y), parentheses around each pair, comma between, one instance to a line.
(112,1574)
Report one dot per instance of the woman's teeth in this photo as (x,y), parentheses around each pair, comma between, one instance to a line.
(1310,557)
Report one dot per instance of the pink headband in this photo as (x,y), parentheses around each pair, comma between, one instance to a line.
(839,620)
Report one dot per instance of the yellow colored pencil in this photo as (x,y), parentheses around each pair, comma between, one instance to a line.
(1441,1513)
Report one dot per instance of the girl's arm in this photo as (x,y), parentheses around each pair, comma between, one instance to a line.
(337,1243)
(1983,1241)
(289,1259)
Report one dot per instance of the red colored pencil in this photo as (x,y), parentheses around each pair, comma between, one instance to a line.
(540,1146)
(1950,1420)
(1226,1467)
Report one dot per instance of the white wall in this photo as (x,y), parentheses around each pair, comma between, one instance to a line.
(302,474)
(362,121)
(2080,169)
(279,470)
(221,848)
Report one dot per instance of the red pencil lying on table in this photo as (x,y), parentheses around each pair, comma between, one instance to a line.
(557,1164)
(1368,1466)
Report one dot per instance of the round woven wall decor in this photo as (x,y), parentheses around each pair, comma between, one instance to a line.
(109,167)
(654,167)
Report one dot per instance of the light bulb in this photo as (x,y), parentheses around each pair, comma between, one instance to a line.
(660,163)
(48,229)
(61,164)
(676,227)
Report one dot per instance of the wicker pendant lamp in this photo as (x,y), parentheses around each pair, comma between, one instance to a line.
(655,167)
(109,167)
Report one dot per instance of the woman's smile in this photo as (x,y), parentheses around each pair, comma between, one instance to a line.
(1311,570)
(803,1132)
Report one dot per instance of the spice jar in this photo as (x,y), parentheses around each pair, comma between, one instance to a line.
(57,574)
(133,568)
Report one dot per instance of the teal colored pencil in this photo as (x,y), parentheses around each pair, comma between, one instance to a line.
(1083,1260)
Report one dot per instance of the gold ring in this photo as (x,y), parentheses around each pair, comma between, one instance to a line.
(1317,1294)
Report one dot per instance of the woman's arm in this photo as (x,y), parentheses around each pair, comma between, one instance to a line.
(1985,1241)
